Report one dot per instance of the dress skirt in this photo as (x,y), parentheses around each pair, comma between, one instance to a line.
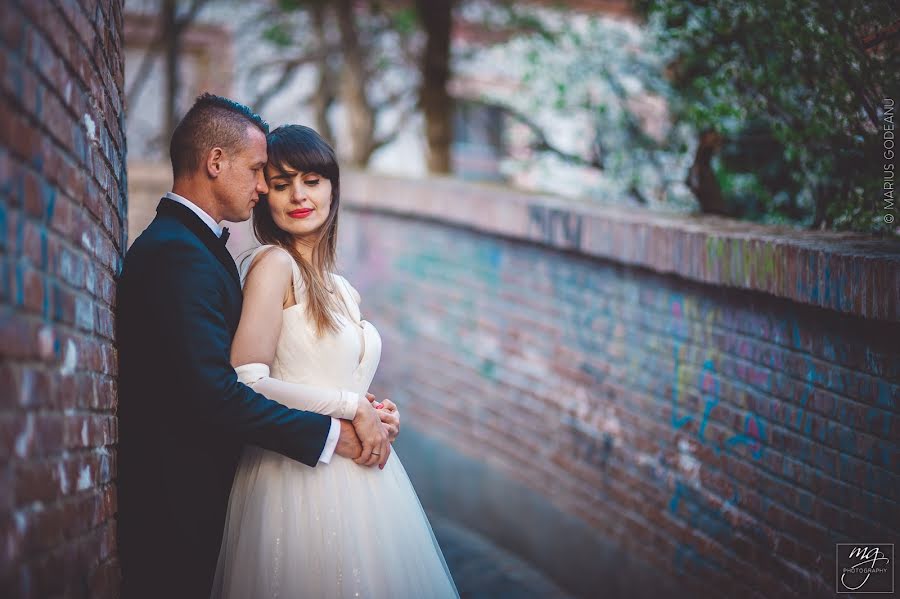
(338,530)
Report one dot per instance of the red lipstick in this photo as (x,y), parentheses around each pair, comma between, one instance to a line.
(300,213)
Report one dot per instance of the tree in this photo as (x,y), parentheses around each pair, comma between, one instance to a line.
(436,17)
(588,96)
(172,26)
(363,54)
(405,43)
(804,80)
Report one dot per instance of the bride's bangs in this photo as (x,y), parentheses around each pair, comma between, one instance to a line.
(302,149)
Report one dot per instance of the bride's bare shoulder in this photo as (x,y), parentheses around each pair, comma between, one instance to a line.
(268,263)
(272,254)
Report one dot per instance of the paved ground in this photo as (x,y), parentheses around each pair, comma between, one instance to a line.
(482,570)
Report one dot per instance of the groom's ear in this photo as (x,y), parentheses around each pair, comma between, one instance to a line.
(214,162)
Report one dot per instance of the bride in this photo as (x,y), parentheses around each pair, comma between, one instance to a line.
(341,529)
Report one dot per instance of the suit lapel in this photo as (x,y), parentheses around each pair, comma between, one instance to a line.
(202,231)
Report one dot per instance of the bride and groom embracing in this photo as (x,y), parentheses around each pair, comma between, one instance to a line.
(248,441)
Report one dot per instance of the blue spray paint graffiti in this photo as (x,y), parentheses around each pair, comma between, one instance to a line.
(702,514)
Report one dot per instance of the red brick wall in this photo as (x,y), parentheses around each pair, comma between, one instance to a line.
(62,237)
(722,436)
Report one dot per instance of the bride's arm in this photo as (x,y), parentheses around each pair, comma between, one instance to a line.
(266,289)
(331,402)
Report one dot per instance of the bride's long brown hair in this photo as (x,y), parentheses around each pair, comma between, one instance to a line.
(302,149)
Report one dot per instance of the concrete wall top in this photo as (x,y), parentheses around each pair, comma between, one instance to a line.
(847,272)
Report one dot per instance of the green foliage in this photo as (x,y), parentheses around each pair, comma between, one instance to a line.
(278,34)
(405,21)
(797,96)
(593,94)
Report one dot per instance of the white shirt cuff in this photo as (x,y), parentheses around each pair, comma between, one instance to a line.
(331,442)
(349,404)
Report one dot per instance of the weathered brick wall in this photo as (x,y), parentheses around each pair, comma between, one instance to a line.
(62,237)
(722,437)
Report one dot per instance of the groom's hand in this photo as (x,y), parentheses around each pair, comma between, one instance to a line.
(348,445)
(373,435)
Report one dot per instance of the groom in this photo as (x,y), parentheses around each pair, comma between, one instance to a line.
(183,415)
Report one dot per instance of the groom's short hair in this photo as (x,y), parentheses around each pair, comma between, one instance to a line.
(213,121)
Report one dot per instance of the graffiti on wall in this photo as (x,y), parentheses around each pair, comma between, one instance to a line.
(555,226)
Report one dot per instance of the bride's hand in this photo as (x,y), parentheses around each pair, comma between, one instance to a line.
(375,403)
(373,435)
(390,417)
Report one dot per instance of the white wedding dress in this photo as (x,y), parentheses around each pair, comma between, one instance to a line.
(339,529)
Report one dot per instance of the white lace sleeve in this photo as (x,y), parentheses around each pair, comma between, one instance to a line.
(336,403)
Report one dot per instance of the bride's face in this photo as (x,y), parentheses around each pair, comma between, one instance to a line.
(299,202)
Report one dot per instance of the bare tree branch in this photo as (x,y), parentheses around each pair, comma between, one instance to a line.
(401,121)
(288,72)
(542,144)
(297,59)
(262,100)
(391,99)
(325,91)
(143,71)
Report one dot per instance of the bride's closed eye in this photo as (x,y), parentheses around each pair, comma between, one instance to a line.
(312,182)
(280,187)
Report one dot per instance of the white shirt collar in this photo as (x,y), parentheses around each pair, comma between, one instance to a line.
(210,222)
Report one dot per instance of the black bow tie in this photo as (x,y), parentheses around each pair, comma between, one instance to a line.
(224,236)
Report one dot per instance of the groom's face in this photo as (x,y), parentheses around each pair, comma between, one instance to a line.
(242,178)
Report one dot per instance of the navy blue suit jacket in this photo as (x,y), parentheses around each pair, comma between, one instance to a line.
(183,415)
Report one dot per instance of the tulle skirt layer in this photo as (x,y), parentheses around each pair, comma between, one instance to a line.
(334,531)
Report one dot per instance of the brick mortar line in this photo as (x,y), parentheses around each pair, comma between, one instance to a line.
(763,469)
(745,386)
(72,330)
(67,106)
(49,87)
(62,54)
(106,53)
(621,299)
(560,501)
(94,220)
(79,334)
(31,363)
(633,469)
(726,427)
(624,307)
(73,453)
(689,341)
(61,501)
(82,291)
(792,378)
(648,393)
(69,541)
(90,258)
(625,310)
